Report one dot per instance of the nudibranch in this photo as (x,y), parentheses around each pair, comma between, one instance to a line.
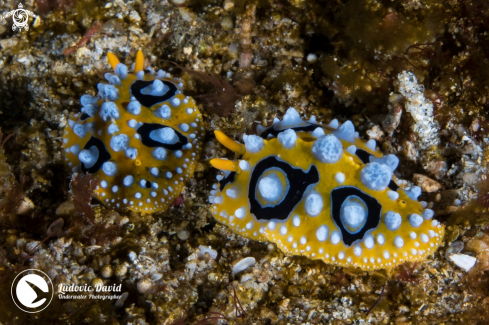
(140,135)
(321,192)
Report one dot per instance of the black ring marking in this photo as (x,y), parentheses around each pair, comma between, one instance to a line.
(145,129)
(150,100)
(365,158)
(226,180)
(298,181)
(274,132)
(338,196)
(103,155)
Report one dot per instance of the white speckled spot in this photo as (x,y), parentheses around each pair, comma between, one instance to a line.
(380,239)
(398,241)
(392,195)
(335,237)
(296,220)
(253,143)
(89,156)
(287,138)
(272,225)
(424,238)
(341,255)
(231,192)
(313,204)
(283,230)
(357,250)
(392,220)
(240,213)
(327,149)
(119,142)
(244,165)
(369,241)
(113,128)
(270,187)
(154,171)
(376,176)
(128,180)
(415,220)
(163,112)
(109,168)
(159,153)
(339,177)
(428,214)
(80,130)
(322,233)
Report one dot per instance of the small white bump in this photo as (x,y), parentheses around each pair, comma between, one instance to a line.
(296,220)
(115,188)
(179,170)
(183,127)
(335,237)
(244,165)
(240,213)
(380,239)
(109,168)
(428,214)
(175,102)
(168,175)
(322,233)
(290,238)
(104,184)
(392,195)
(357,250)
(387,255)
(272,225)
(424,238)
(369,241)
(413,235)
(178,154)
(128,180)
(303,240)
(341,255)
(339,177)
(132,123)
(398,242)
(283,230)
(415,220)
(154,171)
(308,248)
(414,251)
(138,195)
(249,225)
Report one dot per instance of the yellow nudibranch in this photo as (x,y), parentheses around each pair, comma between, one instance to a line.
(321,192)
(141,136)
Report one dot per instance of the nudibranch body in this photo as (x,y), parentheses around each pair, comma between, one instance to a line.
(140,136)
(321,192)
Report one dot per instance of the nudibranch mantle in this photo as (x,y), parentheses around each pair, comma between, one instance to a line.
(141,136)
(321,192)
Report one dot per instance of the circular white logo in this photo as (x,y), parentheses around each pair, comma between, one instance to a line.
(32,291)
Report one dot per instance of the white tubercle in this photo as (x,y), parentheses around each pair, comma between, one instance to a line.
(313,204)
(376,176)
(371,144)
(157,88)
(109,110)
(270,187)
(119,142)
(121,70)
(346,132)
(392,220)
(163,112)
(253,143)
(291,119)
(318,132)
(389,160)
(327,149)
(164,135)
(334,124)
(287,138)
(89,156)
(413,193)
(109,168)
(415,220)
(352,150)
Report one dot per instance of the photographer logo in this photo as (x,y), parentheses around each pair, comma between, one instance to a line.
(32,291)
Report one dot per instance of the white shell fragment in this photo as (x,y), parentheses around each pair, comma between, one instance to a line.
(243,264)
(207,249)
(463,261)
